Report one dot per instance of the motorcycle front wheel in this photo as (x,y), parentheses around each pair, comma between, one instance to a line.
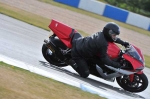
(139,83)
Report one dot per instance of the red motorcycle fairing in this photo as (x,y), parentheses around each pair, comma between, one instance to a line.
(139,52)
(135,63)
(135,57)
(63,32)
(113,50)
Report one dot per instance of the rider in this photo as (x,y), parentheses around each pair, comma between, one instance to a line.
(87,47)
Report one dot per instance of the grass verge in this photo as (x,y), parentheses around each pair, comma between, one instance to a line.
(134,28)
(17,83)
(38,20)
(147,61)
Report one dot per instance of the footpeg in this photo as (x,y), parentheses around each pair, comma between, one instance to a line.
(46,41)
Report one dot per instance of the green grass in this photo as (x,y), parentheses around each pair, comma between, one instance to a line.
(40,21)
(147,60)
(102,1)
(17,83)
(134,28)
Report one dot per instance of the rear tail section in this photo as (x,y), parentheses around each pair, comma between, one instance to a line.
(64,32)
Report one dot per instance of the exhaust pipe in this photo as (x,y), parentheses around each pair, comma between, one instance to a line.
(106,76)
(119,70)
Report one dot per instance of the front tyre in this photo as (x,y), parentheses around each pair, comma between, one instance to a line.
(139,83)
(51,57)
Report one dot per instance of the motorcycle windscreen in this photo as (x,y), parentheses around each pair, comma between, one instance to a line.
(134,53)
(63,32)
(134,57)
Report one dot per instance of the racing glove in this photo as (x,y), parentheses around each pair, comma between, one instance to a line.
(126,44)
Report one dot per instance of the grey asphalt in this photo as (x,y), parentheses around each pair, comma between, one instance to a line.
(23,42)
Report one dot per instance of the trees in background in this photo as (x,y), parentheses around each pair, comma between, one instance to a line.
(137,6)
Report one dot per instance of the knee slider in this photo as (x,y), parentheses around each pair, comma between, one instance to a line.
(85,74)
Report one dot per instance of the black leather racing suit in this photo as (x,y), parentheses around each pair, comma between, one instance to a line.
(87,47)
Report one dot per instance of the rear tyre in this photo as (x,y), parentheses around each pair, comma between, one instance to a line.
(51,57)
(139,83)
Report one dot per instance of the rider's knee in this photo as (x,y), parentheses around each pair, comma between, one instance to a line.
(85,74)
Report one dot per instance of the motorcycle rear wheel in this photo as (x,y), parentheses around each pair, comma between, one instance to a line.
(139,83)
(51,58)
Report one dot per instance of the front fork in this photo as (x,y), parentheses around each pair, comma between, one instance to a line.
(132,76)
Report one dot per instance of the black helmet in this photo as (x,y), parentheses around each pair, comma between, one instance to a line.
(111,29)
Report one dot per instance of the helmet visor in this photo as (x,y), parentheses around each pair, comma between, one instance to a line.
(113,35)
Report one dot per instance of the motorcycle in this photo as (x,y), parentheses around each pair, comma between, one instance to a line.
(57,51)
